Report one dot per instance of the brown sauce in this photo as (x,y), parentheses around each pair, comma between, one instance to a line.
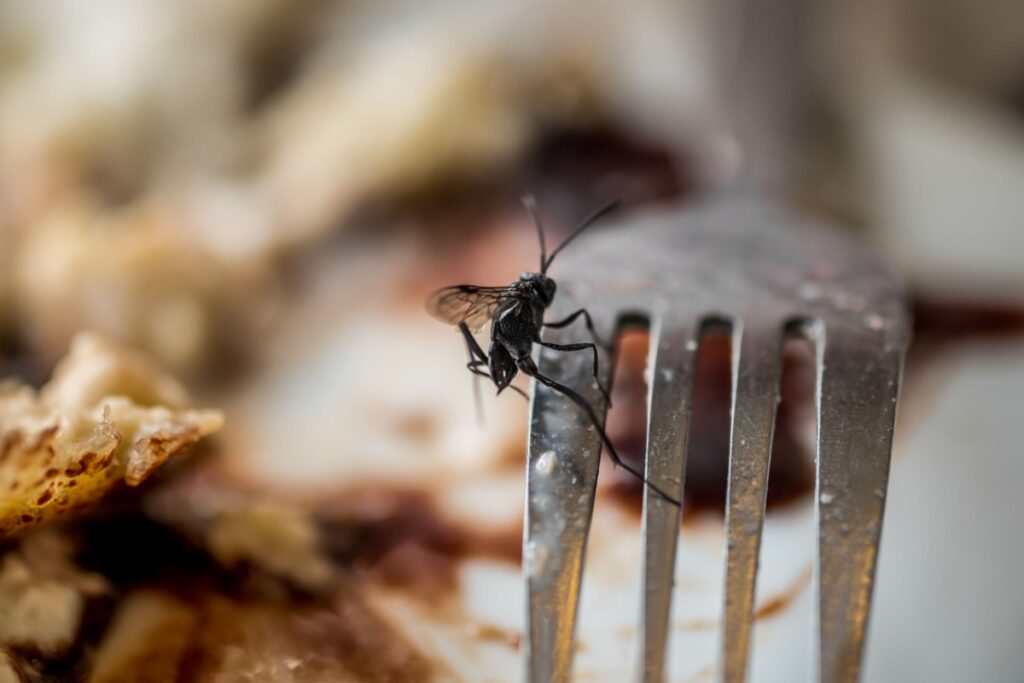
(406,540)
(778,603)
(791,474)
(940,323)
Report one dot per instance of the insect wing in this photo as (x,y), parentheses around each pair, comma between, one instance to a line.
(468,304)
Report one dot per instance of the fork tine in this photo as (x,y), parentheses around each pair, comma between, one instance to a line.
(756,361)
(562,466)
(671,363)
(857,392)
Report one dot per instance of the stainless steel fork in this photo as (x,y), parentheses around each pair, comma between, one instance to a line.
(764,271)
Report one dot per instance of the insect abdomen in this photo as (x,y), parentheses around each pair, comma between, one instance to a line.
(502,366)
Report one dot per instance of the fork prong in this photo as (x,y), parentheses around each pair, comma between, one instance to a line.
(756,364)
(857,392)
(562,467)
(671,363)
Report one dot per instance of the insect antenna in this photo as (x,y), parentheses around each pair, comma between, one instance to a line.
(531,205)
(587,222)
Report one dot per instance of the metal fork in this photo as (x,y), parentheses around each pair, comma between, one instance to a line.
(765,272)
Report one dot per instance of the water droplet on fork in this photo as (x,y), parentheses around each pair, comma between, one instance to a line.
(809,291)
(537,557)
(873,321)
(545,463)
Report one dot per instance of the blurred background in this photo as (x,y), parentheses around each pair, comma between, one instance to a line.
(260,194)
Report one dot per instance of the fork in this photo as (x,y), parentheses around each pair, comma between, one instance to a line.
(764,272)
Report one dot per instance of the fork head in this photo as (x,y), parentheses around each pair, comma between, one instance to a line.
(763,271)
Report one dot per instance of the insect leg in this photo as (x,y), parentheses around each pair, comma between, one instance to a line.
(528,367)
(518,391)
(580,347)
(474,367)
(477,357)
(590,326)
(475,352)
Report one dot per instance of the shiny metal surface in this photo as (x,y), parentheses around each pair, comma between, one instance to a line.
(764,271)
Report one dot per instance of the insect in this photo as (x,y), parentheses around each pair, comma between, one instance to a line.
(516,315)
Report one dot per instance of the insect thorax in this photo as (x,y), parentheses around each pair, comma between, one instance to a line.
(541,285)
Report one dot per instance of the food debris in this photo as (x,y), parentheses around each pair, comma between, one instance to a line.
(43,595)
(107,416)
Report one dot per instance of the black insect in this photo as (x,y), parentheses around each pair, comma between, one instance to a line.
(516,315)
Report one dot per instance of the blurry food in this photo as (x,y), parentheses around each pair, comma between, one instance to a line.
(108,416)
(115,103)
(460,93)
(312,110)
(6,265)
(138,274)
(156,636)
(941,165)
(144,617)
(154,190)
(244,529)
(341,385)
(43,595)
(412,110)
(8,674)
(283,540)
(975,47)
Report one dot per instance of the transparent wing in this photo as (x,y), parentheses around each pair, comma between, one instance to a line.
(468,304)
